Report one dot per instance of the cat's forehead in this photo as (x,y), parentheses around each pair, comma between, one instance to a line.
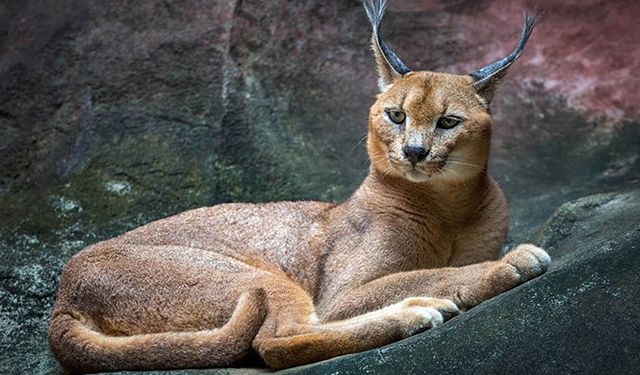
(431,91)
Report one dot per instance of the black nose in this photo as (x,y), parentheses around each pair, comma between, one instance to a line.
(415,154)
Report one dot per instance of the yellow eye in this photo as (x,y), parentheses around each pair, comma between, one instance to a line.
(397,117)
(448,122)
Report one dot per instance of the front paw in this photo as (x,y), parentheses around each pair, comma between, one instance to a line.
(421,313)
(529,261)
(522,264)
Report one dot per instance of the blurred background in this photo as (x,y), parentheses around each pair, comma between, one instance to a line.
(113,114)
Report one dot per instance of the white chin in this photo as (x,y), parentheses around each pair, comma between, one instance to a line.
(416,176)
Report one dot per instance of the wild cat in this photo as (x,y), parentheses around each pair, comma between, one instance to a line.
(299,282)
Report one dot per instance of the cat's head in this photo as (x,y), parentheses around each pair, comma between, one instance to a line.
(428,126)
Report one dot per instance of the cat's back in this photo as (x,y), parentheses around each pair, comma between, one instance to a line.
(229,223)
(274,232)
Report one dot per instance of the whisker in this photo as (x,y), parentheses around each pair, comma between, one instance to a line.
(457,161)
(464,182)
(359,142)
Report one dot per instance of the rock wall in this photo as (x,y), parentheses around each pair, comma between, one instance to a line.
(113,114)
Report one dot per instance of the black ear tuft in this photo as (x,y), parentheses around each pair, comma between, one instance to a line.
(487,77)
(389,64)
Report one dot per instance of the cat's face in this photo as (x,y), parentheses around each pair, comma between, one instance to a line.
(429,126)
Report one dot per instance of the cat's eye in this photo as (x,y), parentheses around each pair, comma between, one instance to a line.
(448,122)
(397,117)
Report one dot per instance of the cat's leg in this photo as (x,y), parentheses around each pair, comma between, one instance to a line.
(162,307)
(466,286)
(125,307)
(308,341)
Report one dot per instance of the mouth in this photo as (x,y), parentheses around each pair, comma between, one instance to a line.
(421,171)
(424,171)
(427,167)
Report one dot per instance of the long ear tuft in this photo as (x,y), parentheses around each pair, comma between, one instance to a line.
(486,78)
(389,64)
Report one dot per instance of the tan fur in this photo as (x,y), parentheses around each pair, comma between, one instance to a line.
(304,281)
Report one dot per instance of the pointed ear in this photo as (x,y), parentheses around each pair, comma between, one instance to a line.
(389,64)
(486,79)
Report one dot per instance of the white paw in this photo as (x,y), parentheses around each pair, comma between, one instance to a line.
(423,319)
(446,307)
(528,260)
(421,313)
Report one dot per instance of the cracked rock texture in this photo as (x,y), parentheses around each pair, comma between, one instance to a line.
(113,114)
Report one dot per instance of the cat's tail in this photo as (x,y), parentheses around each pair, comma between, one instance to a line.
(80,347)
